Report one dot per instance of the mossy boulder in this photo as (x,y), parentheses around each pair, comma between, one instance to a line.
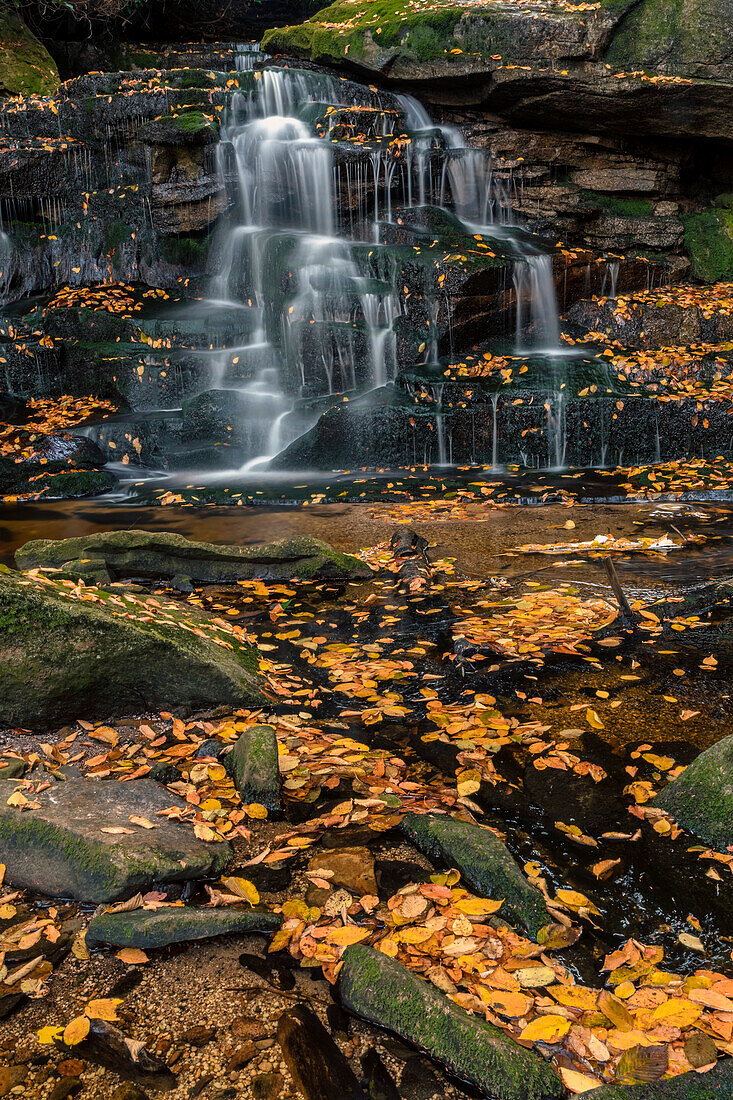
(60,848)
(709,243)
(715,1084)
(26,66)
(386,993)
(61,658)
(485,864)
(253,763)
(701,799)
(161,554)
(175,924)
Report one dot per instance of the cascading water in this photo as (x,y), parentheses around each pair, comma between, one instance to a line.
(313,272)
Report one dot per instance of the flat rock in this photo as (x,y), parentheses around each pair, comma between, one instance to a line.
(386,993)
(163,554)
(60,849)
(175,924)
(701,799)
(486,865)
(61,658)
(716,1084)
(253,763)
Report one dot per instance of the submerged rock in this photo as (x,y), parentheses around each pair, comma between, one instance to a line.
(319,1069)
(716,1084)
(701,799)
(162,554)
(175,924)
(486,865)
(65,847)
(253,763)
(61,658)
(384,992)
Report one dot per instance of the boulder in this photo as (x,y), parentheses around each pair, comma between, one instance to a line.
(253,763)
(386,993)
(701,799)
(26,66)
(62,848)
(162,554)
(485,864)
(51,480)
(715,1084)
(175,924)
(61,658)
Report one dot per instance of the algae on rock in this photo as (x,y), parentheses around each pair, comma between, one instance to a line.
(62,658)
(26,66)
(384,992)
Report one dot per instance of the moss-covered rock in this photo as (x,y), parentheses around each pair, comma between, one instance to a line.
(160,554)
(384,992)
(61,658)
(701,799)
(484,862)
(709,243)
(683,37)
(26,66)
(146,928)
(716,1084)
(184,128)
(253,763)
(61,849)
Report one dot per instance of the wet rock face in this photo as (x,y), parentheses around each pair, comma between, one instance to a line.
(61,848)
(60,659)
(701,799)
(715,1084)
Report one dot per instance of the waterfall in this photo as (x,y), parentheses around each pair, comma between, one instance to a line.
(304,256)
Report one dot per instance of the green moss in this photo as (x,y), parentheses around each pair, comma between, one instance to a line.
(484,862)
(141,928)
(383,24)
(624,207)
(186,251)
(673,36)
(385,992)
(709,243)
(26,66)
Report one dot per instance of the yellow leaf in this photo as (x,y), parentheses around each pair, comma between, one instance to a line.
(575,996)
(76,1031)
(678,1011)
(546,1029)
(577,1082)
(257,811)
(242,887)
(47,1034)
(477,907)
(344,937)
(103,1009)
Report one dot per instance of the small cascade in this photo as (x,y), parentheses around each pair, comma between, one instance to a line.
(537,324)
